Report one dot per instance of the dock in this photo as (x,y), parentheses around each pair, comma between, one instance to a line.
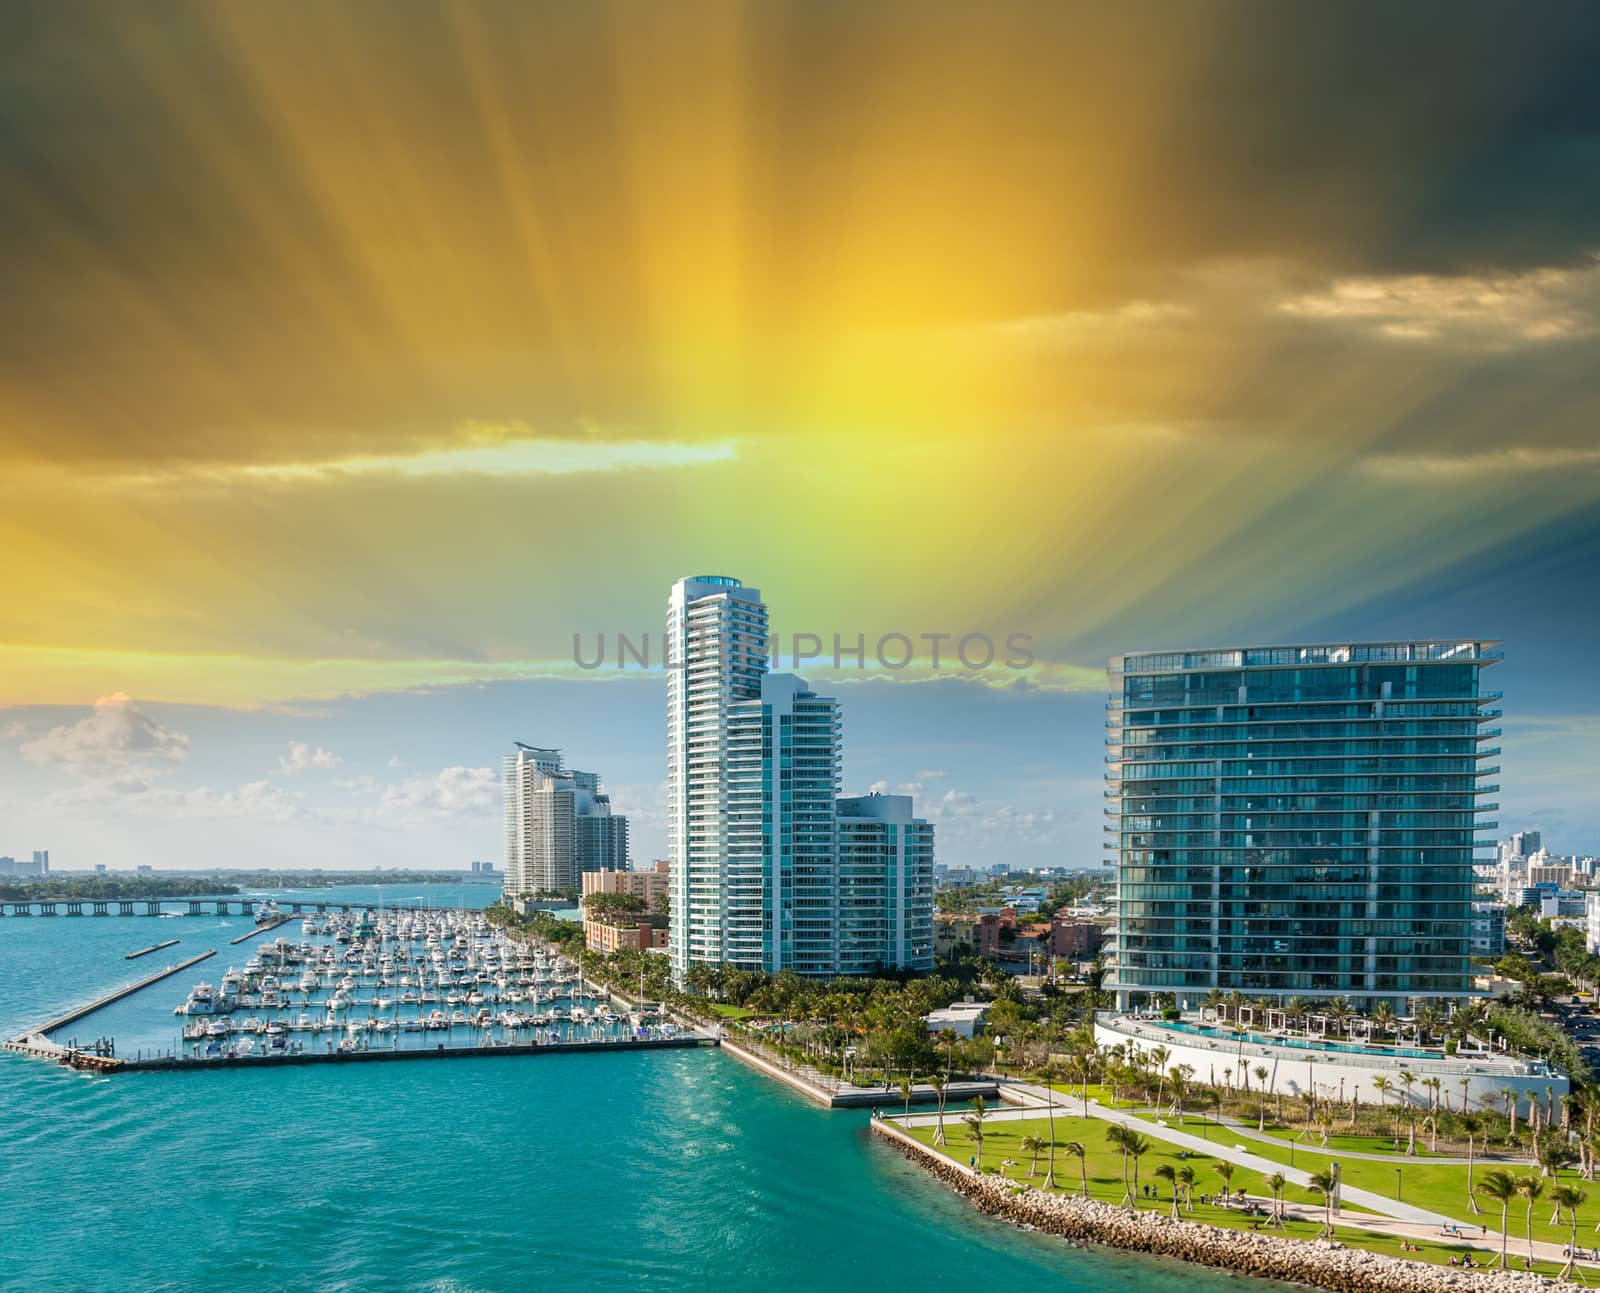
(36,1041)
(835,1094)
(259,929)
(154,947)
(181,1064)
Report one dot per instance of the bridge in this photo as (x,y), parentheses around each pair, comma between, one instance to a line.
(198,907)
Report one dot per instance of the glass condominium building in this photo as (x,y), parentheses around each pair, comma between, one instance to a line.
(1298,821)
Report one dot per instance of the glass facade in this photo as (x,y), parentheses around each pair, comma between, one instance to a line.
(1298,821)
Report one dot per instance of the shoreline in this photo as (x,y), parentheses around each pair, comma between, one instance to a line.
(1258,1254)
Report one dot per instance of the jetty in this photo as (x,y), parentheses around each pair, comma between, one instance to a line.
(154,947)
(259,929)
(834,1093)
(35,1042)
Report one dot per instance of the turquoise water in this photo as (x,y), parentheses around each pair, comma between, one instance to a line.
(668,1170)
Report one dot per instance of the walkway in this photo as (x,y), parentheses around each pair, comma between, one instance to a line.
(1394,1160)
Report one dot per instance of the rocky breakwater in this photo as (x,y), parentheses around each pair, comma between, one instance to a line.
(1329,1265)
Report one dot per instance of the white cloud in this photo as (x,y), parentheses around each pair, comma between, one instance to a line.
(932,774)
(302,756)
(453,793)
(12,730)
(1513,460)
(134,794)
(394,761)
(115,736)
(1493,311)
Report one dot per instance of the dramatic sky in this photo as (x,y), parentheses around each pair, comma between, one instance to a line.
(358,356)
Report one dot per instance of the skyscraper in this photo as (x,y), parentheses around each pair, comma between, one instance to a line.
(1298,820)
(716,656)
(770,869)
(559,824)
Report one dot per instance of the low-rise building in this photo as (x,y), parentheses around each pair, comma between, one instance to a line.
(648,885)
(963,1018)
(967,935)
(636,932)
(1075,940)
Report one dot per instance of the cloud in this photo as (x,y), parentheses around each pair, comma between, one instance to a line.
(1493,311)
(116,735)
(932,774)
(12,730)
(136,795)
(1513,460)
(451,794)
(394,761)
(481,450)
(302,756)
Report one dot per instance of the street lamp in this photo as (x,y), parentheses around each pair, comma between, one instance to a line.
(1397,1183)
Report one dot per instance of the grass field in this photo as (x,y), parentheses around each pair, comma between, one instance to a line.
(1439,1187)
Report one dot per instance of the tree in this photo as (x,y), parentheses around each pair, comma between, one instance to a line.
(1500,1186)
(1530,1188)
(1382,1085)
(1261,1109)
(1031,1145)
(1186,1179)
(937,1083)
(1323,1183)
(1050,1074)
(974,1122)
(1570,1198)
(1223,1168)
(1276,1183)
(1472,1124)
(1130,1144)
(1166,1172)
(1075,1149)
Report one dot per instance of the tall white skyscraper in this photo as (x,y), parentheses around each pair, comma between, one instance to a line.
(716,656)
(770,869)
(559,824)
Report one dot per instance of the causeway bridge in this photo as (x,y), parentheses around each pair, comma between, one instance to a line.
(196,907)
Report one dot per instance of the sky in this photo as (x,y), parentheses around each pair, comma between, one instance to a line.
(359,359)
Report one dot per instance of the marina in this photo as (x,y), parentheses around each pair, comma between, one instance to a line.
(368,983)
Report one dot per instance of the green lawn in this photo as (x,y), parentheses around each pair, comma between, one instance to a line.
(1002,1140)
(731,1012)
(1072,1095)
(1439,1187)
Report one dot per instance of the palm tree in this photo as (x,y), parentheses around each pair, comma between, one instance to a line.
(1383,1018)
(1382,1085)
(1075,1149)
(905,1094)
(1501,1186)
(974,1121)
(1168,1173)
(1530,1188)
(1223,1168)
(1472,1124)
(1031,1145)
(1406,1079)
(1050,1074)
(1132,1145)
(1323,1183)
(1571,1198)
(1186,1179)
(1261,1109)
(936,1081)
(1276,1183)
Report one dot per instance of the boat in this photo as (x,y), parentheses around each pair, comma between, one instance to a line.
(201,1000)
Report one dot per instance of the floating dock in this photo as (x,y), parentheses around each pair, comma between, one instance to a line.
(154,947)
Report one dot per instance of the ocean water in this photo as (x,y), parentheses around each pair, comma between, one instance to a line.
(665,1170)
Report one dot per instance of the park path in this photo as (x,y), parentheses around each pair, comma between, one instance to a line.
(1398,1160)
